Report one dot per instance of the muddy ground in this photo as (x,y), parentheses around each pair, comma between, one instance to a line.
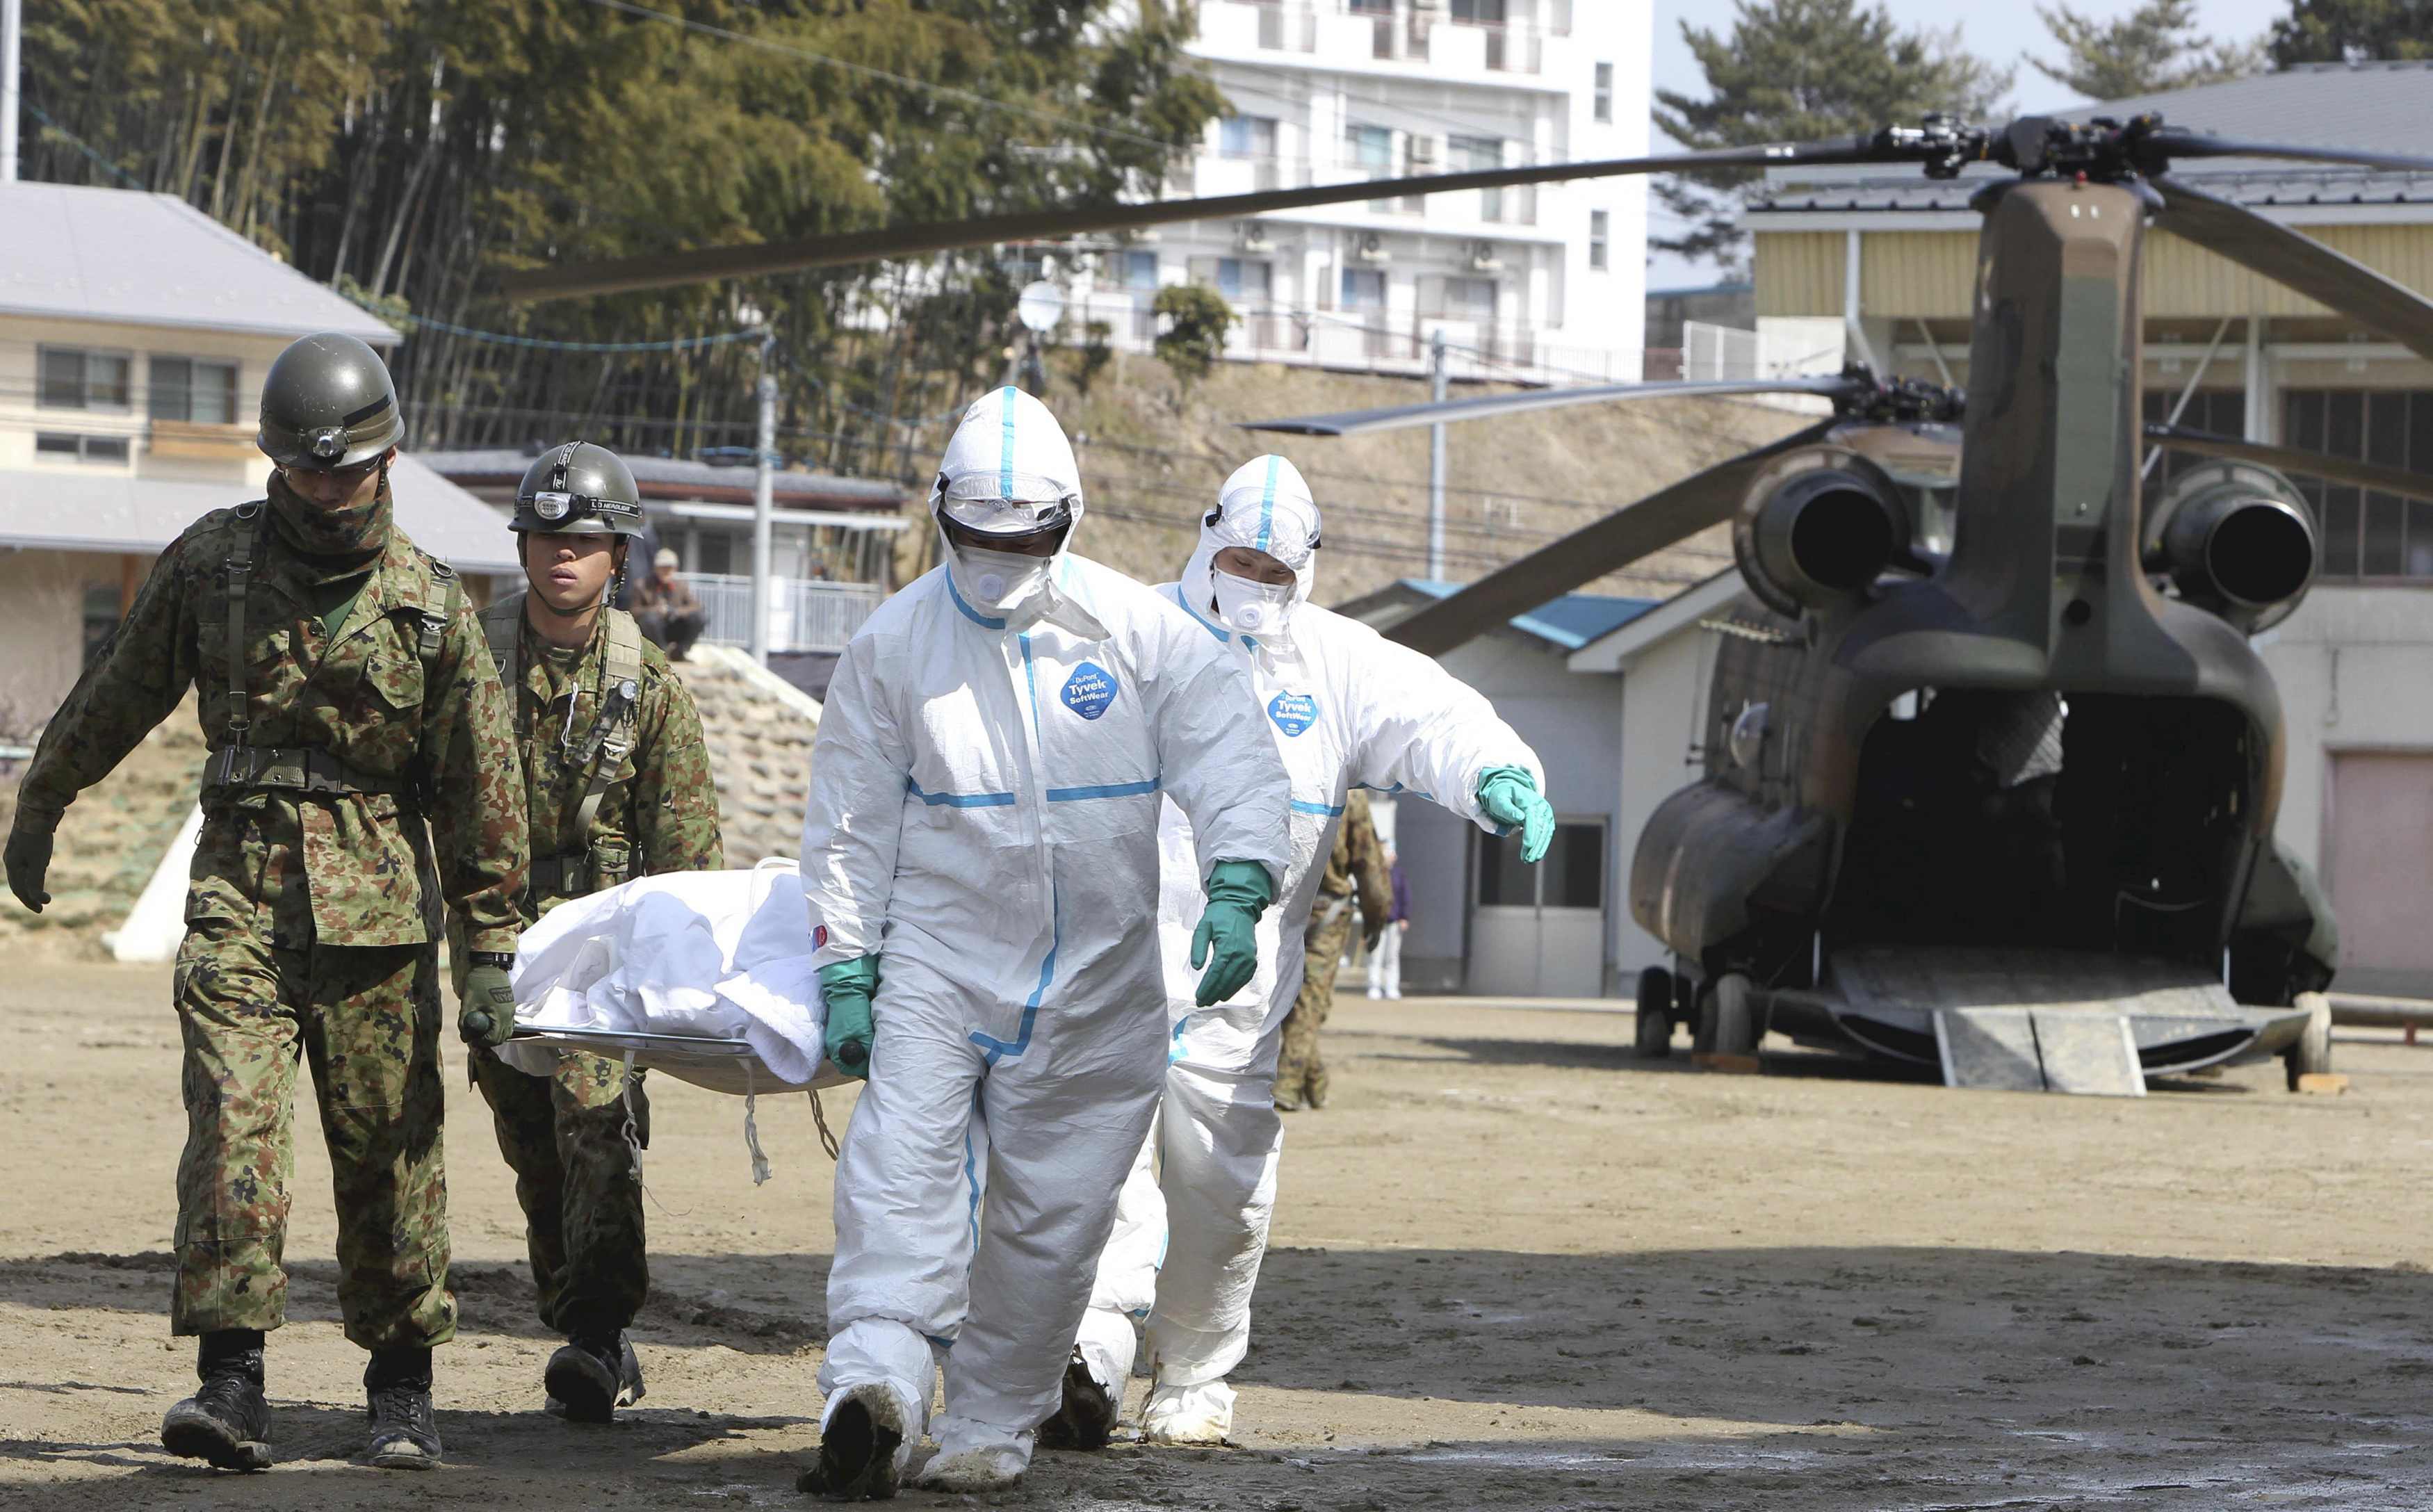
(1514,1269)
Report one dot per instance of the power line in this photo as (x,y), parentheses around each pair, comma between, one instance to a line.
(948,92)
(501,338)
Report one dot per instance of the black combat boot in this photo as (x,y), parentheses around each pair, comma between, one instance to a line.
(227,1422)
(397,1385)
(1086,1417)
(591,1377)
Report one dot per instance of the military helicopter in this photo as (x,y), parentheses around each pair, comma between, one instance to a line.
(1994,768)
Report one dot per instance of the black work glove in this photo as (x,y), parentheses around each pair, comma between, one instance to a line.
(29,856)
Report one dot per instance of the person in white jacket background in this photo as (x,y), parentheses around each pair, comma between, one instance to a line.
(1344,707)
(980,861)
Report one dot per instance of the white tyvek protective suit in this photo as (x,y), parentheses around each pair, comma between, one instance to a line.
(984,801)
(1344,707)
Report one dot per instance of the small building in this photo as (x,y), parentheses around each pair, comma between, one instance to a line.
(1481,922)
(134,335)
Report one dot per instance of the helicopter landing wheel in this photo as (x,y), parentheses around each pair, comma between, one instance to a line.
(1727,1017)
(2312,1053)
(1654,1028)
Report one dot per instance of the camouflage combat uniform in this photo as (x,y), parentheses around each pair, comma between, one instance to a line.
(313,918)
(657,811)
(1359,858)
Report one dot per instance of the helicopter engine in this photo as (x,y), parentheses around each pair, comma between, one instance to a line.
(1817,529)
(2235,539)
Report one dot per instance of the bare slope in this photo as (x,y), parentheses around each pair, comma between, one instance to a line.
(1150,466)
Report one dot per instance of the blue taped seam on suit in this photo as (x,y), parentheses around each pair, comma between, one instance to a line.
(971,1173)
(1267,503)
(1031,682)
(959,800)
(1005,463)
(1185,602)
(969,613)
(1113,789)
(1327,811)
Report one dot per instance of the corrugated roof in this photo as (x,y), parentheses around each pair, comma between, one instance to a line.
(2371,106)
(123,256)
(91,511)
(660,475)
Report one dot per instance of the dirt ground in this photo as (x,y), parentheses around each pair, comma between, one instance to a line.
(1514,1269)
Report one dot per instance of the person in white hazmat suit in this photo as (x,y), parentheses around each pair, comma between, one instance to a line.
(980,861)
(1345,707)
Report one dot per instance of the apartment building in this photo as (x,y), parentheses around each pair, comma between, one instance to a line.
(1543,282)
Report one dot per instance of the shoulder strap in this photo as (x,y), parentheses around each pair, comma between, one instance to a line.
(240,574)
(612,730)
(502,626)
(437,619)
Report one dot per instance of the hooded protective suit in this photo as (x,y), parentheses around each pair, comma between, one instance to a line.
(985,791)
(1344,707)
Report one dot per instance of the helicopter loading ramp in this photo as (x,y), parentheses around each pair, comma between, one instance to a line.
(2034,1019)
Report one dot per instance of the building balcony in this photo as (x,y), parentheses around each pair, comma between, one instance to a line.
(1375,35)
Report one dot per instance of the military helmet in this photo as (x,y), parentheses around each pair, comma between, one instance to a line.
(578,489)
(327,403)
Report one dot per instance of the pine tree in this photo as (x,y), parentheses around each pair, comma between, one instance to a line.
(2338,31)
(1799,70)
(2155,47)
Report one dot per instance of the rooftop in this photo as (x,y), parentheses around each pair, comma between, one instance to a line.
(1566,623)
(139,259)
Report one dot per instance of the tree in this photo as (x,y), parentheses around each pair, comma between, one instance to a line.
(2347,31)
(1794,70)
(1195,336)
(2155,47)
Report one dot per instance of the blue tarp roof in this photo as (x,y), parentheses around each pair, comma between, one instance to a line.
(1571,621)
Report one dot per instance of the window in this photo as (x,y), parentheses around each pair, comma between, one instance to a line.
(1470,299)
(1603,106)
(1140,270)
(1364,288)
(75,380)
(1370,147)
(61,446)
(1477,155)
(2365,534)
(1599,224)
(1247,136)
(714,552)
(187,388)
(1479,12)
(1243,281)
(101,618)
(1571,876)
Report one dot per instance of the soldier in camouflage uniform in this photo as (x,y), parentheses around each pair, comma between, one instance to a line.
(618,787)
(346,701)
(1359,863)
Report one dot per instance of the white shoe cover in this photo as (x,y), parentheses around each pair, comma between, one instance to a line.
(976,1456)
(1201,1414)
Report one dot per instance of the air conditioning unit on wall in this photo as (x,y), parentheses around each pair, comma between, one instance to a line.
(1251,236)
(1372,249)
(1483,258)
(1424,151)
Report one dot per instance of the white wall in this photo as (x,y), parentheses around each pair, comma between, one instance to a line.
(2352,665)
(41,624)
(1663,701)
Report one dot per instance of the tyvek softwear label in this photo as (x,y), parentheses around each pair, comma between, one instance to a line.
(1293,712)
(1090,689)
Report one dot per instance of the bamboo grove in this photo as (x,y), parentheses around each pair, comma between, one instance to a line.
(407,151)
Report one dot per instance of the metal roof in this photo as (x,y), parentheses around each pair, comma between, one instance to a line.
(123,256)
(2372,107)
(1566,623)
(73,510)
(673,477)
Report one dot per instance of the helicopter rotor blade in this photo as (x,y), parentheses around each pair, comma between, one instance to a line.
(2174,143)
(1394,417)
(2342,470)
(709,263)
(2299,262)
(1636,529)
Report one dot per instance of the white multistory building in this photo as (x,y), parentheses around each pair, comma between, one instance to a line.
(1543,282)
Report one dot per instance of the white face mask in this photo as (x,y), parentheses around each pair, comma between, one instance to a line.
(1253,608)
(999,580)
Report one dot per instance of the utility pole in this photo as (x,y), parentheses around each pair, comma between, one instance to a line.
(1437,459)
(12,15)
(764,490)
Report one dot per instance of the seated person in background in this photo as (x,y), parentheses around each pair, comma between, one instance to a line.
(671,618)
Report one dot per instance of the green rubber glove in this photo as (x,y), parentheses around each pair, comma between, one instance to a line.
(29,856)
(1509,796)
(848,986)
(485,1013)
(1227,941)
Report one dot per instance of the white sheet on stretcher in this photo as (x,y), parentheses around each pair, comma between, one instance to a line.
(717,955)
